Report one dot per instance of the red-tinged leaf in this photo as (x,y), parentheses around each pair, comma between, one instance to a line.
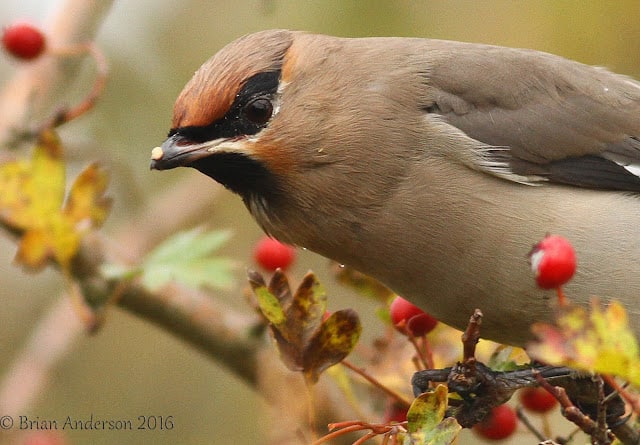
(279,286)
(337,337)
(292,355)
(271,300)
(255,279)
(304,341)
(599,340)
(304,314)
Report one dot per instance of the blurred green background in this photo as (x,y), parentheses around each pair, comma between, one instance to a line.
(132,368)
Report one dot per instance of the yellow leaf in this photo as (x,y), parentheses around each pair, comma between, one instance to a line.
(86,201)
(31,202)
(56,239)
(64,239)
(46,183)
(599,340)
(33,250)
(426,422)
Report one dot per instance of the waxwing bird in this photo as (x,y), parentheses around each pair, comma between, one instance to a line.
(433,166)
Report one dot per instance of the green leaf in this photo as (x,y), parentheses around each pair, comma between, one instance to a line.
(269,304)
(427,410)
(445,433)
(426,422)
(188,245)
(501,360)
(112,271)
(187,258)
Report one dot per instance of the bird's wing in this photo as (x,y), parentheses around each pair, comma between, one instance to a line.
(541,116)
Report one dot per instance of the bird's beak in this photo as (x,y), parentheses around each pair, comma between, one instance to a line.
(176,151)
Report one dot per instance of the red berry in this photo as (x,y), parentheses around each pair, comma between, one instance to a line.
(417,321)
(553,262)
(537,399)
(271,254)
(23,40)
(499,424)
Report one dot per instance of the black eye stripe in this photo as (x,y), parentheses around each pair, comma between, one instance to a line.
(235,122)
(258,85)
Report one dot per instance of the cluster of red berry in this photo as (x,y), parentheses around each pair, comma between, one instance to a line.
(409,317)
(502,421)
(553,262)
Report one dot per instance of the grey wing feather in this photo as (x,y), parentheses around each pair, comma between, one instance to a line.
(559,120)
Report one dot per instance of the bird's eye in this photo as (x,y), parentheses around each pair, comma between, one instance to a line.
(258,111)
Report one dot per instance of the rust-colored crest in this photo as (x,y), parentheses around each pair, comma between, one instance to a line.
(209,94)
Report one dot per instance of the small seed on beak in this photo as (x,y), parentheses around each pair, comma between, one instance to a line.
(157,153)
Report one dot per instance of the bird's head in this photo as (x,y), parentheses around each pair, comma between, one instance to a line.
(297,124)
(225,110)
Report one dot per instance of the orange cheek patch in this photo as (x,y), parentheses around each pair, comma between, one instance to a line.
(272,155)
